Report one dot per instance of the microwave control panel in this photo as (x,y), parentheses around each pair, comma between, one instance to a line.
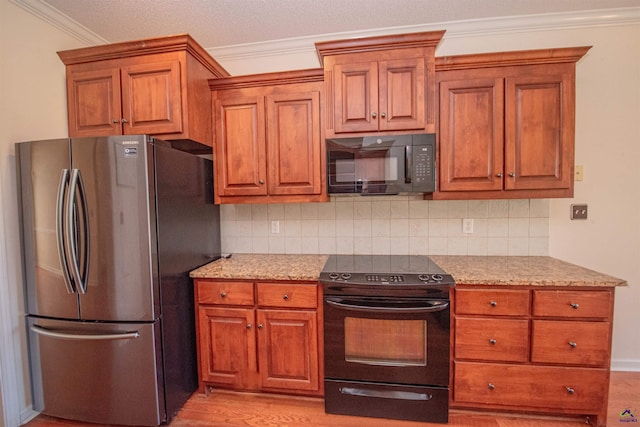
(423,167)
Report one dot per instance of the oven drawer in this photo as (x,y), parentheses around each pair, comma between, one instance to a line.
(379,400)
(591,304)
(492,339)
(544,387)
(287,295)
(496,302)
(578,343)
(225,293)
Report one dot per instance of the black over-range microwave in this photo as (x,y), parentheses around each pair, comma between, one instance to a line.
(388,164)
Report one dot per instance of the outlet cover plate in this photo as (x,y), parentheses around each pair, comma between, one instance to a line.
(579,211)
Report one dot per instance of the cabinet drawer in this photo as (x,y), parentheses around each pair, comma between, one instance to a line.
(498,302)
(544,387)
(504,340)
(287,295)
(571,342)
(594,304)
(226,293)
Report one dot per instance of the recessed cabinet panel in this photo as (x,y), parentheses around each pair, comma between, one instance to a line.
(578,343)
(471,134)
(356,97)
(94,102)
(402,94)
(492,339)
(151,98)
(240,146)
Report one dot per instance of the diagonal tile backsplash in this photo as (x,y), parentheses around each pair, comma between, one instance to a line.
(388,225)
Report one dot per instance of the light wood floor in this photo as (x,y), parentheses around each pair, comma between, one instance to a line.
(228,409)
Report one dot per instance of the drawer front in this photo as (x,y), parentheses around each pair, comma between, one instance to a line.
(538,387)
(593,304)
(287,295)
(225,293)
(504,340)
(571,342)
(497,302)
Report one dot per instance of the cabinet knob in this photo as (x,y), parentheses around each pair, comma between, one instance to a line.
(499,174)
(383,115)
(261,181)
(374,115)
(223,294)
(491,386)
(249,325)
(493,303)
(512,174)
(285,297)
(260,326)
(575,306)
(115,121)
(570,390)
(492,341)
(572,344)
(124,121)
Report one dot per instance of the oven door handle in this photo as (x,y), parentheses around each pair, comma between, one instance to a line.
(428,307)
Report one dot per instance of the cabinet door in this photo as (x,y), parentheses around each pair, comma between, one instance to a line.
(240,146)
(402,94)
(355,102)
(288,343)
(151,101)
(94,103)
(471,134)
(227,346)
(539,126)
(293,143)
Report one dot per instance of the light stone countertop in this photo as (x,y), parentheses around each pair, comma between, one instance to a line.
(468,270)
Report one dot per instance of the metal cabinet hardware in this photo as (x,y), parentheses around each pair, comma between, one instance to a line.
(491,386)
(575,306)
(223,294)
(492,341)
(285,297)
(493,303)
(573,344)
(570,390)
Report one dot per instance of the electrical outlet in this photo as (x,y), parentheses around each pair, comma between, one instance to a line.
(467,225)
(275,227)
(578,212)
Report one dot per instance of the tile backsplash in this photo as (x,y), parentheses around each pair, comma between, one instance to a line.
(388,225)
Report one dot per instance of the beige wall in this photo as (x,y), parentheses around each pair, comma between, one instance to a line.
(32,106)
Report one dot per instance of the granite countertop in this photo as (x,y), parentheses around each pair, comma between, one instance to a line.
(468,270)
(263,267)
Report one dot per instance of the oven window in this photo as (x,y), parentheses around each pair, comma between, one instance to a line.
(385,342)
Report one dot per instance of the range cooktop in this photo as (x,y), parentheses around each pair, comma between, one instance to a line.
(408,270)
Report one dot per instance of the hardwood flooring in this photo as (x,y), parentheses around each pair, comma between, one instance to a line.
(229,409)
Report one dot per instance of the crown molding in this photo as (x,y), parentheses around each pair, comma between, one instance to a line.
(306,45)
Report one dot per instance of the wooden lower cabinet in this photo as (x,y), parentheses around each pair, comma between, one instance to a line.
(544,351)
(258,336)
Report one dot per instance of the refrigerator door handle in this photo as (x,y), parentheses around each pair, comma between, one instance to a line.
(62,251)
(83,337)
(76,187)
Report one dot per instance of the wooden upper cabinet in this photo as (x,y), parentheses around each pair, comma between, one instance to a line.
(152,86)
(506,128)
(269,138)
(380,84)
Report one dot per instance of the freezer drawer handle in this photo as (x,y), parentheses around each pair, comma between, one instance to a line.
(83,337)
(385,394)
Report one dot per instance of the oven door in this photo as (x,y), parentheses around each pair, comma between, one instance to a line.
(387,340)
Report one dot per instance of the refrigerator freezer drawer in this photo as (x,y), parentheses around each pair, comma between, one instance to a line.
(96,372)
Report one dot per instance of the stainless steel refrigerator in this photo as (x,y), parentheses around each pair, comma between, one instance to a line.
(111,226)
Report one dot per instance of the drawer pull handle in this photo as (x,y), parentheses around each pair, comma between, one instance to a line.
(285,297)
(573,344)
(491,386)
(570,390)
(492,341)
(493,303)
(575,306)
(223,294)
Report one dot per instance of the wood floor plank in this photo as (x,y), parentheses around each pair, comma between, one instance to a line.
(230,409)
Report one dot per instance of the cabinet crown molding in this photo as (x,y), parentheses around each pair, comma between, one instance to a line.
(376,43)
(179,42)
(511,58)
(268,79)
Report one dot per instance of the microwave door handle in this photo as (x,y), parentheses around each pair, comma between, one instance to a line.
(408,167)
